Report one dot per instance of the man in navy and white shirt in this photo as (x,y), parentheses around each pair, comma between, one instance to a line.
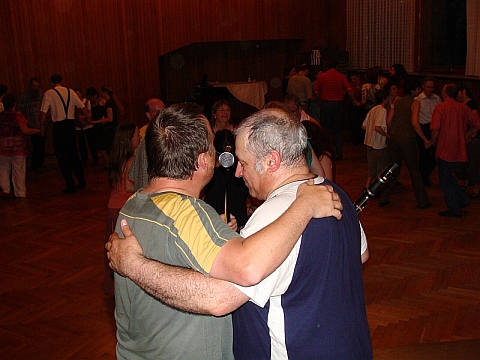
(313,305)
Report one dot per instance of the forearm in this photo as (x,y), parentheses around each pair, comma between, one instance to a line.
(261,253)
(103,120)
(418,130)
(382,132)
(185,289)
(31,131)
(416,122)
(22,124)
(85,112)
(472,132)
(28,131)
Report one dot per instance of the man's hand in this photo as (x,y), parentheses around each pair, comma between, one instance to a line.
(233,222)
(122,253)
(427,144)
(323,201)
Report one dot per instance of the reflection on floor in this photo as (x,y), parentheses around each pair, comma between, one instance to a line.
(453,350)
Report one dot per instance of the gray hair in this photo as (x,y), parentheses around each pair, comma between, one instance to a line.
(274,129)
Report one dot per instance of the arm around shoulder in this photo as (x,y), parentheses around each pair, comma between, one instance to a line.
(247,262)
(186,289)
(181,288)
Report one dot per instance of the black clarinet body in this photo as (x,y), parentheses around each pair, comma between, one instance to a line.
(373,189)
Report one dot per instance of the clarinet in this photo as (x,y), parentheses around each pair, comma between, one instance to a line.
(375,187)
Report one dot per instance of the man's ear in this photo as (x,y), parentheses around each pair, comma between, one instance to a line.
(272,161)
(202,162)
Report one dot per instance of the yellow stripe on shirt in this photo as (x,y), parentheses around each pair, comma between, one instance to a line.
(193,224)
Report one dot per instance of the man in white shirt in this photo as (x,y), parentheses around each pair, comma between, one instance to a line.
(422,110)
(61,103)
(301,86)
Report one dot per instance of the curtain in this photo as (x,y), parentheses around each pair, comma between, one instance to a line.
(381,32)
(472,66)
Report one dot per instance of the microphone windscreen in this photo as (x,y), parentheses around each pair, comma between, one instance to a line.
(226,159)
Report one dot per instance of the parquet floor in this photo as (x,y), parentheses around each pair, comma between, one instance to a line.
(422,282)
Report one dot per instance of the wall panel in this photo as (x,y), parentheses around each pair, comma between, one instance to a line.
(117,43)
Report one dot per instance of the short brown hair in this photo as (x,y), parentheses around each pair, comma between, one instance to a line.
(174,140)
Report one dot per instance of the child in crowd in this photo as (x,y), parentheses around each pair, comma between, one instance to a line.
(375,126)
(126,140)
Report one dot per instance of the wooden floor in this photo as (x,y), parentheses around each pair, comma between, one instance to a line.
(422,282)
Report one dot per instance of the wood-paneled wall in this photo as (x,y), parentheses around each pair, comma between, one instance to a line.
(118,42)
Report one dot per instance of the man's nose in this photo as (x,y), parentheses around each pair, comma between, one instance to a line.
(238,171)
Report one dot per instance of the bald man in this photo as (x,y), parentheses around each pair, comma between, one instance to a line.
(138,170)
(152,108)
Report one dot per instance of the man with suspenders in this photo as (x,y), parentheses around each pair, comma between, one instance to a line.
(61,102)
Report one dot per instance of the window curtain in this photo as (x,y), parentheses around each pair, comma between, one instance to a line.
(472,67)
(381,32)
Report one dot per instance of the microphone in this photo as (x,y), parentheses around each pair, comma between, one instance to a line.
(226,159)
(375,187)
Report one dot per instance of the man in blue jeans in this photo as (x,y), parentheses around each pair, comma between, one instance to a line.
(450,121)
